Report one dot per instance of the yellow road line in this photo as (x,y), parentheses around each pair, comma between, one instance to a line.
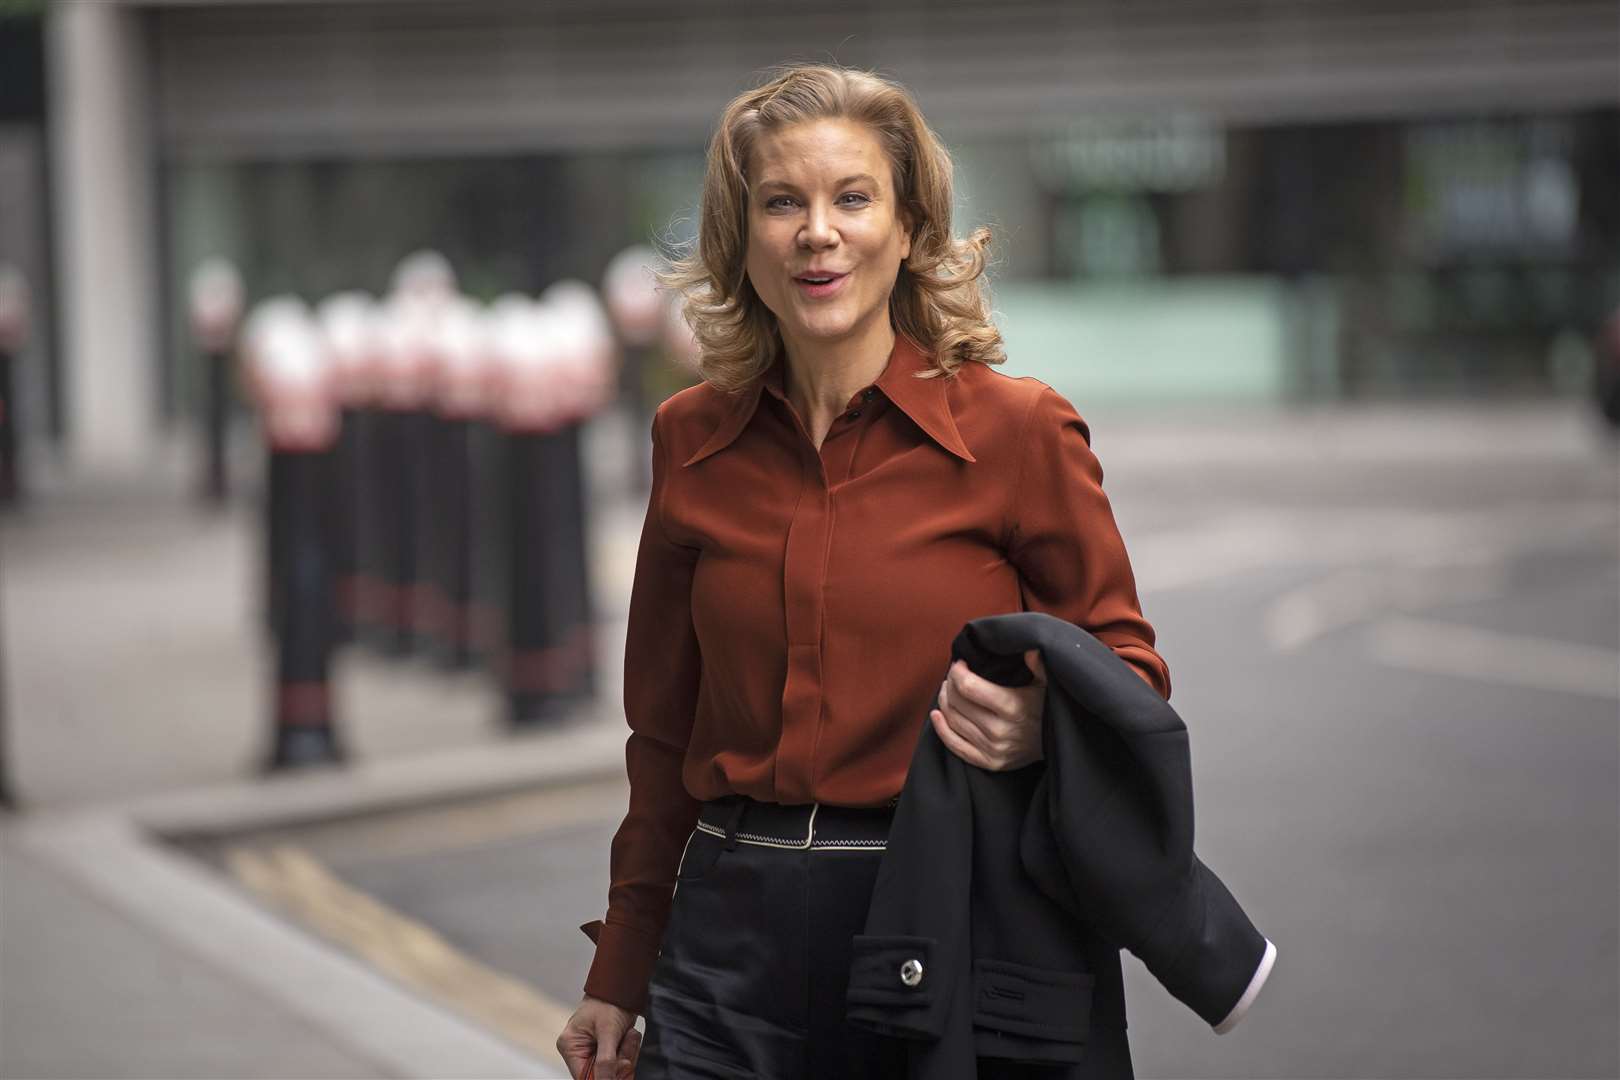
(288,878)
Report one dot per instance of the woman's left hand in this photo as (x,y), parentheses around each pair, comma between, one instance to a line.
(994,727)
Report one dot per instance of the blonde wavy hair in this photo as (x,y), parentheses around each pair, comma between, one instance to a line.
(939,298)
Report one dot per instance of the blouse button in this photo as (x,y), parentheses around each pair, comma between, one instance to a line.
(869,394)
(855,415)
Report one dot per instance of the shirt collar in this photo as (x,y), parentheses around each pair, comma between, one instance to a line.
(923,400)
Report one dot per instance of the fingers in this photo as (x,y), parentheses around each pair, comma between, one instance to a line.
(630,1048)
(992,731)
(599,1045)
(609,1063)
(576,1046)
(973,727)
(577,1057)
(978,696)
(956,744)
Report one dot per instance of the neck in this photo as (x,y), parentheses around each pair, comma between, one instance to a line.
(821,376)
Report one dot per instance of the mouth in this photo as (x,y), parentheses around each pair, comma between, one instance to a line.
(819,285)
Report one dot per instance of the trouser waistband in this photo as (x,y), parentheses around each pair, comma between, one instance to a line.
(742,820)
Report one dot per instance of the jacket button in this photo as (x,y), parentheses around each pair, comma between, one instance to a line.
(911,972)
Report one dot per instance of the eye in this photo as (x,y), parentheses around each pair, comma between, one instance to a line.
(770,204)
(854,195)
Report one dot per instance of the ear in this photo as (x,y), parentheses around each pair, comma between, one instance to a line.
(907,226)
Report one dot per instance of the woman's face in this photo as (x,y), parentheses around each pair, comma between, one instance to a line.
(822,204)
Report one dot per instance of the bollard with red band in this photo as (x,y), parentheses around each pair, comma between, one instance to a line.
(13,336)
(585,382)
(267,317)
(557,371)
(449,617)
(398,451)
(290,381)
(349,329)
(216,309)
(515,363)
(14,310)
(394,479)
(632,297)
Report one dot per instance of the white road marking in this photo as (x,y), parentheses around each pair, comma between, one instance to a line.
(1300,616)
(1491,656)
(1255,538)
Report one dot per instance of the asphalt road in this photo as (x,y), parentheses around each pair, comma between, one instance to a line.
(1402,676)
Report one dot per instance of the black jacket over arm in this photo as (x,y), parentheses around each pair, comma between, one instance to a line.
(1003,898)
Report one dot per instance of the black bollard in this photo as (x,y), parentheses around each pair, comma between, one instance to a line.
(461,395)
(543,673)
(397,455)
(392,543)
(367,603)
(215,482)
(447,593)
(10,468)
(216,308)
(630,291)
(343,503)
(289,376)
(527,409)
(575,632)
(304,729)
(558,381)
(487,617)
(8,799)
(14,324)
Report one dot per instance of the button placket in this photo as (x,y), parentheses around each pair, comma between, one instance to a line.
(804,562)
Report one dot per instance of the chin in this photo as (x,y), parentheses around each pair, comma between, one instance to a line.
(827,329)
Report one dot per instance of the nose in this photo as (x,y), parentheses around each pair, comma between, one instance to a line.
(818,231)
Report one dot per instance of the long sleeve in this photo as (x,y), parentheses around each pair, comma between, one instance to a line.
(1064,541)
(661,675)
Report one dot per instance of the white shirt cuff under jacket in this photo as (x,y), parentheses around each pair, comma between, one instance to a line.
(1261,973)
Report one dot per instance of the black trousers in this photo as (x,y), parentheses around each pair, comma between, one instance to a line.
(754,967)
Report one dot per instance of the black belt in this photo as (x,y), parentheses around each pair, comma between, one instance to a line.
(742,820)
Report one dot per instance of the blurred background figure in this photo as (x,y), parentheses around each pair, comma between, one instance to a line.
(1335,286)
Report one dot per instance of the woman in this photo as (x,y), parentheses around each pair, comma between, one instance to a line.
(850,483)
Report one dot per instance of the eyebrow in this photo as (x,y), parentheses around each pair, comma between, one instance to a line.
(773,182)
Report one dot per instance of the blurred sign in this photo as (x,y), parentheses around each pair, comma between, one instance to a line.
(1176,152)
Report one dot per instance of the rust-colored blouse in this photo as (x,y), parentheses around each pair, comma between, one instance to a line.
(792,611)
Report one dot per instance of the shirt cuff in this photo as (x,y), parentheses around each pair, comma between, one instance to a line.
(1261,973)
(623,965)
(1146,675)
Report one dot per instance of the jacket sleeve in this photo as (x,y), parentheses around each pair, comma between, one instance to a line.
(1064,542)
(661,674)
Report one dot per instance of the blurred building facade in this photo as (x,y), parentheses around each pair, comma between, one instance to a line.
(1235,200)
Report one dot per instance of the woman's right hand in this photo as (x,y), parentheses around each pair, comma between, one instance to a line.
(603,1033)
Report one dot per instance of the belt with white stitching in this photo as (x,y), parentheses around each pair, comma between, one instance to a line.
(742,820)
